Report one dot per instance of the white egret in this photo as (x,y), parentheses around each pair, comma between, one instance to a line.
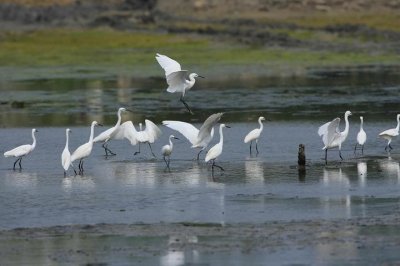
(390,133)
(166,150)
(22,150)
(148,135)
(331,135)
(216,150)
(66,155)
(178,80)
(361,137)
(199,138)
(109,134)
(255,134)
(84,150)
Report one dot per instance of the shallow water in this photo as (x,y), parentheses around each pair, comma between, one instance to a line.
(253,189)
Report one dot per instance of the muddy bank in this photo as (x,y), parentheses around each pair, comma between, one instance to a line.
(317,241)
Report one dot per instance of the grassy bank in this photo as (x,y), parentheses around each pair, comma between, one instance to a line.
(110,52)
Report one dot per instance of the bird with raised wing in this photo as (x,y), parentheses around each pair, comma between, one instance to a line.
(255,134)
(199,138)
(178,80)
(390,133)
(22,150)
(147,135)
(332,137)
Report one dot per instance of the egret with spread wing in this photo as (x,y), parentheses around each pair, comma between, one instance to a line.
(332,137)
(178,80)
(199,138)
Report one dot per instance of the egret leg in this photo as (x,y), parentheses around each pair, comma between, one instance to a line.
(107,150)
(65,173)
(390,147)
(251,142)
(20,159)
(215,165)
(362,149)
(137,151)
(15,163)
(355,148)
(169,160)
(340,155)
(326,156)
(151,150)
(186,105)
(256,147)
(198,155)
(165,161)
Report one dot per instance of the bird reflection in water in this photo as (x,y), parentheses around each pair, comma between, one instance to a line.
(391,168)
(176,254)
(362,173)
(254,170)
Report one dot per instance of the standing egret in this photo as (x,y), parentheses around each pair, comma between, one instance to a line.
(331,135)
(84,150)
(361,137)
(216,150)
(109,134)
(66,155)
(148,135)
(199,138)
(166,150)
(255,134)
(22,150)
(390,133)
(176,77)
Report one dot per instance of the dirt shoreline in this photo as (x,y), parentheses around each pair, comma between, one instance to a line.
(108,243)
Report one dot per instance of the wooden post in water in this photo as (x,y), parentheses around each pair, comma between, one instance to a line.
(301,162)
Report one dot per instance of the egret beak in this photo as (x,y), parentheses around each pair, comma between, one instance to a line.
(227,126)
(175,138)
(129,110)
(200,76)
(100,125)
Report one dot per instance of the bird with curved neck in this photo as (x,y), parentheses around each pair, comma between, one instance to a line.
(176,77)
(22,150)
(390,133)
(216,150)
(166,150)
(66,155)
(255,134)
(361,137)
(110,133)
(85,149)
(332,137)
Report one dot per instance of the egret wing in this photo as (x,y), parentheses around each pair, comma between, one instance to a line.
(389,132)
(168,64)
(176,81)
(322,130)
(187,130)
(152,131)
(103,136)
(127,131)
(332,132)
(205,129)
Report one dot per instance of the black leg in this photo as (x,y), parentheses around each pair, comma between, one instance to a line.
(65,174)
(165,161)
(362,149)
(326,156)
(15,163)
(390,147)
(137,151)
(198,155)
(256,147)
(151,150)
(169,160)
(215,165)
(186,105)
(251,142)
(105,146)
(355,148)
(20,159)
(340,155)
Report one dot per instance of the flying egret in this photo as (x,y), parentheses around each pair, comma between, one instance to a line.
(255,134)
(109,134)
(199,138)
(22,150)
(148,135)
(390,133)
(216,150)
(66,155)
(166,150)
(84,150)
(361,137)
(178,80)
(331,135)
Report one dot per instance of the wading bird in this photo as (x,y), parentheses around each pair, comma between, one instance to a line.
(216,150)
(390,133)
(199,138)
(178,80)
(66,155)
(22,150)
(166,150)
(361,137)
(148,135)
(331,135)
(84,150)
(255,134)
(109,134)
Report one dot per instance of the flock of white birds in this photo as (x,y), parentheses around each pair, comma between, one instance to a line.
(179,80)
